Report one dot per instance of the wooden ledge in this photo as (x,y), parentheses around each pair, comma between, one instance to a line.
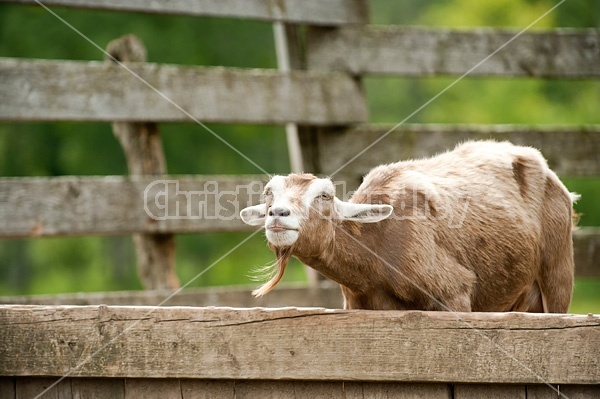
(298,344)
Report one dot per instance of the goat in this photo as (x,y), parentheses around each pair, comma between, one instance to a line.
(484,227)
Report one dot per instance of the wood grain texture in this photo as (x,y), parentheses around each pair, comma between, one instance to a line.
(98,388)
(560,53)
(273,389)
(96,91)
(478,391)
(27,388)
(35,207)
(147,388)
(318,12)
(299,344)
(570,150)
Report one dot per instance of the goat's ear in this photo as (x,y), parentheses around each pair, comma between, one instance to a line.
(364,213)
(254,215)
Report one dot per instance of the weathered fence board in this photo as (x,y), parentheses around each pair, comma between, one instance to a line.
(31,207)
(133,388)
(291,343)
(566,391)
(325,295)
(477,391)
(570,150)
(560,53)
(317,12)
(97,91)
(36,207)
(45,207)
(75,388)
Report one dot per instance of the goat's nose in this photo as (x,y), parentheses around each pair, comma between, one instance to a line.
(279,212)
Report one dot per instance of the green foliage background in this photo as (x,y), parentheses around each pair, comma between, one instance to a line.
(53,265)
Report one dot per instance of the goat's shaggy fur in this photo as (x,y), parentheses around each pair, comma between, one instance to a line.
(485,227)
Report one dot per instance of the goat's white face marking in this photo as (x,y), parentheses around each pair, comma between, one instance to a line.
(316,188)
(288,206)
(288,202)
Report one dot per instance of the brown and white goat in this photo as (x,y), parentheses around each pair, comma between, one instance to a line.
(485,227)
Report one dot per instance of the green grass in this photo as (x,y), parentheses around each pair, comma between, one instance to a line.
(586,296)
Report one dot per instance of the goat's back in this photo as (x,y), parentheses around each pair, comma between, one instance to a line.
(494,209)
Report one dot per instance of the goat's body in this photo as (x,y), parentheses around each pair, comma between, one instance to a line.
(486,227)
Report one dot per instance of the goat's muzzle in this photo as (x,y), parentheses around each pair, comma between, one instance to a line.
(279,227)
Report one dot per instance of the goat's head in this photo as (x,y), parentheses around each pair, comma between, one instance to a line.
(300,213)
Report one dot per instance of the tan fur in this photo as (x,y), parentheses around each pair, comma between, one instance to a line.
(510,251)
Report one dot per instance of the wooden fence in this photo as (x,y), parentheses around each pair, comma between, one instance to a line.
(313,352)
(136,351)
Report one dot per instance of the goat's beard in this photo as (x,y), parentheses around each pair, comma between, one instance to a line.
(276,270)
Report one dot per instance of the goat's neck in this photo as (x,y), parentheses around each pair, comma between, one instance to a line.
(346,259)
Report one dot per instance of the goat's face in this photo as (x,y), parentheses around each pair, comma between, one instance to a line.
(302,210)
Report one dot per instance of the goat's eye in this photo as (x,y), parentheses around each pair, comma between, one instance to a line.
(325,197)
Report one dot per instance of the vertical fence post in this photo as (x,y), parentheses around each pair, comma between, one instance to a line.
(303,141)
(288,50)
(314,34)
(142,145)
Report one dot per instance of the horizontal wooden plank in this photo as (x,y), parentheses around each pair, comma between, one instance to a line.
(570,150)
(498,391)
(326,295)
(476,391)
(160,388)
(98,91)
(566,391)
(75,388)
(560,53)
(299,344)
(317,12)
(31,207)
(125,388)
(70,206)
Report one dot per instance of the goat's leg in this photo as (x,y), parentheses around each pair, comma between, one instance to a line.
(557,267)
(556,283)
